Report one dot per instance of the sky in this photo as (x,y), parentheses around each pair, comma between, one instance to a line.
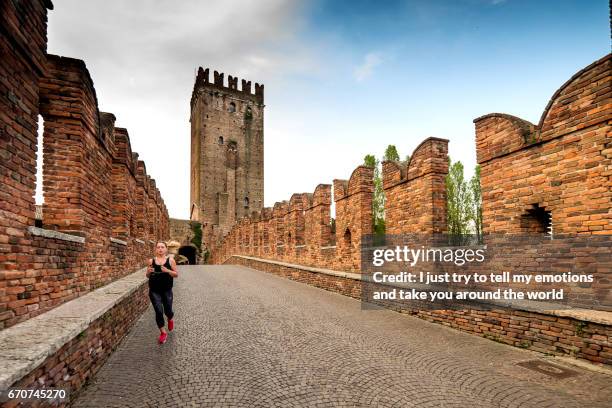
(342,78)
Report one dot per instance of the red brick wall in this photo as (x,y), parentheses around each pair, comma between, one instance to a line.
(415,191)
(91,185)
(76,197)
(23,45)
(353,216)
(561,165)
(298,230)
(124,187)
(317,225)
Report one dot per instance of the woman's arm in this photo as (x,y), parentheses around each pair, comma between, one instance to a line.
(174,271)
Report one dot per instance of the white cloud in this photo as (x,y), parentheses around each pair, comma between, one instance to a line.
(364,71)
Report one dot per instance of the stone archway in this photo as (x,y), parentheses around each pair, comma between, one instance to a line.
(189,252)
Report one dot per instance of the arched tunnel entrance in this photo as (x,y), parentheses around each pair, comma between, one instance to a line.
(188,252)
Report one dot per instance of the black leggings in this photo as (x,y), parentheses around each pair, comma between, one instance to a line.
(162,304)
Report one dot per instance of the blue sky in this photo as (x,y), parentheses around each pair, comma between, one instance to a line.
(342,78)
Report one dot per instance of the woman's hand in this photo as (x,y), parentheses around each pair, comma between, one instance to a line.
(173,272)
(149,270)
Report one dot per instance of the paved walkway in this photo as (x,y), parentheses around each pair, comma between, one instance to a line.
(246,338)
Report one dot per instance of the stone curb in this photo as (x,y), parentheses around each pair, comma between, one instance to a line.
(55,235)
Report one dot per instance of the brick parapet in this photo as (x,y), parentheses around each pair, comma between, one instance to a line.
(92,231)
(299,229)
(415,191)
(557,169)
(218,84)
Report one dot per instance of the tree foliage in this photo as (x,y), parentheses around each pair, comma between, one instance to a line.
(378,201)
(464,198)
(463,204)
(458,208)
(477,202)
(391,154)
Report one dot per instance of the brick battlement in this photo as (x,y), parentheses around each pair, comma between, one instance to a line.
(101,210)
(558,168)
(581,102)
(299,230)
(218,84)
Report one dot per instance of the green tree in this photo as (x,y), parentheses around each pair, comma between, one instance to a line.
(391,154)
(378,200)
(459,205)
(370,161)
(477,203)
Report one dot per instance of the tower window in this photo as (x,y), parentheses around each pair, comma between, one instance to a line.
(220,140)
(232,107)
(246,202)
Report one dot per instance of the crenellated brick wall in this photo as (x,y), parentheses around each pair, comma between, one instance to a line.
(415,191)
(101,211)
(23,47)
(299,230)
(551,178)
(559,168)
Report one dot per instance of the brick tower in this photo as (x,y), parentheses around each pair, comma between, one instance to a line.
(226,152)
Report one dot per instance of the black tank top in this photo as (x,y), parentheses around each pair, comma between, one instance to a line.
(160,281)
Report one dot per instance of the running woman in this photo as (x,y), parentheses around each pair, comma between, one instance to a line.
(161,273)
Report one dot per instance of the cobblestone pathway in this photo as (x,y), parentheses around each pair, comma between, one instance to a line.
(246,338)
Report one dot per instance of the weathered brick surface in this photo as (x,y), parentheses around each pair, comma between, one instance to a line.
(23,45)
(353,216)
(318,232)
(555,174)
(124,186)
(299,230)
(562,165)
(94,186)
(227,170)
(415,191)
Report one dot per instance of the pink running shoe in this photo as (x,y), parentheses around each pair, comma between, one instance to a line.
(170,324)
(163,337)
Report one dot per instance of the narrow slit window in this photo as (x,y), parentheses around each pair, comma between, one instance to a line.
(38,192)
